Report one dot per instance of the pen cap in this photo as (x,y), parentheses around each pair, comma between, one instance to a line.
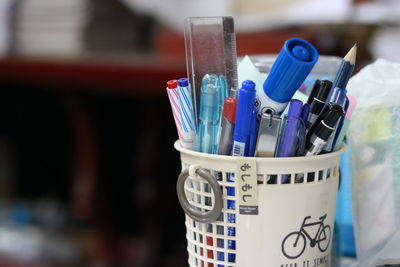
(327,125)
(247,94)
(314,91)
(294,62)
(319,99)
(295,108)
(172,84)
(320,90)
(322,115)
(230,109)
(323,92)
(334,115)
(183,82)
(209,100)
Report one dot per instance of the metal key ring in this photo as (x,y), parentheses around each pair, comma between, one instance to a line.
(192,212)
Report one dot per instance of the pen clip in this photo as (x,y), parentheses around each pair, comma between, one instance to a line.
(292,137)
(268,135)
(223,92)
(301,135)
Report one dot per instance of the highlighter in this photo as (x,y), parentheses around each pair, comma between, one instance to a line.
(293,64)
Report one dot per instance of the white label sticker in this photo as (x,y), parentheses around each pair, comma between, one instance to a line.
(238,149)
(248,189)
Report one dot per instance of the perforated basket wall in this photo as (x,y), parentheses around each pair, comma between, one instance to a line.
(259,240)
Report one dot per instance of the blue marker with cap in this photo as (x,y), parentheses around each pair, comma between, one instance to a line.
(244,128)
(293,64)
(245,107)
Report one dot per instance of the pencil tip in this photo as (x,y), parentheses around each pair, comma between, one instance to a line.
(351,55)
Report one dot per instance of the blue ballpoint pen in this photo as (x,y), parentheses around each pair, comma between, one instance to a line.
(244,112)
(242,133)
(209,113)
(293,133)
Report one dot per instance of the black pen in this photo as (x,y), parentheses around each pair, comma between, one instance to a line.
(322,89)
(323,131)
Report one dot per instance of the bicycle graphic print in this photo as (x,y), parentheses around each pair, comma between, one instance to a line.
(294,244)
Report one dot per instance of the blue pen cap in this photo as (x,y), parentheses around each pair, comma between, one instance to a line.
(183,82)
(247,95)
(295,108)
(293,64)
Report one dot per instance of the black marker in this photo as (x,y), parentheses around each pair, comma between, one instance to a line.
(325,128)
(322,89)
(314,91)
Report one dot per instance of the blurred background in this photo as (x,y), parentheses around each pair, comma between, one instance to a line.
(87,165)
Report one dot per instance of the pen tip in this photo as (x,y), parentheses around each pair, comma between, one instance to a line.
(351,55)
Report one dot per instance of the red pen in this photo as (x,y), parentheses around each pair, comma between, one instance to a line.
(227,126)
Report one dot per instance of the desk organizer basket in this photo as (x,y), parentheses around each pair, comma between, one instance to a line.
(294,224)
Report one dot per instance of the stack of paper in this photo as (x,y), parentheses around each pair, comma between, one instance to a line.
(50,26)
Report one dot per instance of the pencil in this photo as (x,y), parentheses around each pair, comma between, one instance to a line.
(345,69)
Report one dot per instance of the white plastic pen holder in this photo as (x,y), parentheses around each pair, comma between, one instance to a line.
(294,224)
